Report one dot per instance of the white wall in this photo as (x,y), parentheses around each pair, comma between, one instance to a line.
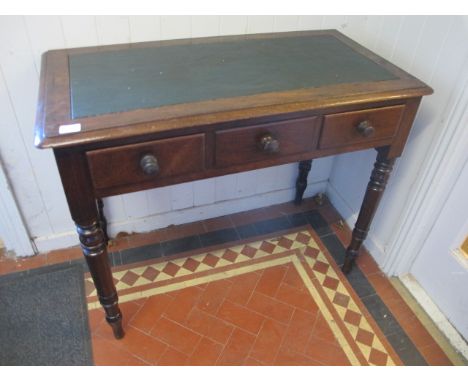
(432,48)
(435,50)
(32,172)
(13,235)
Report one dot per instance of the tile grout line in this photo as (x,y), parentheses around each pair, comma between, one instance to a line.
(256,339)
(225,346)
(287,329)
(230,334)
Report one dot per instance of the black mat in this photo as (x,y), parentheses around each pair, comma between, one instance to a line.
(43,317)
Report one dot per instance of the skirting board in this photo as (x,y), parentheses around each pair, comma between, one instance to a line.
(187,215)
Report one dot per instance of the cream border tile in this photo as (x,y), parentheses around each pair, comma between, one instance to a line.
(326,313)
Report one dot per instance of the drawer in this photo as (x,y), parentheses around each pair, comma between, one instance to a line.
(143,162)
(266,141)
(361,126)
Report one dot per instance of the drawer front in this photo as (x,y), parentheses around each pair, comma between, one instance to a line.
(362,126)
(266,141)
(143,162)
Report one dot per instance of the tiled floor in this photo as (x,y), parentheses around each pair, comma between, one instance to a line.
(256,288)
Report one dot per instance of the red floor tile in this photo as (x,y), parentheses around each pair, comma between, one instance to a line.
(243,287)
(31,262)
(240,316)
(209,326)
(435,356)
(299,331)
(322,330)
(206,353)
(173,357)
(292,278)
(270,281)
(175,335)
(252,362)
(270,307)
(237,348)
(326,352)
(299,298)
(107,353)
(289,357)
(150,312)
(182,304)
(95,318)
(268,341)
(7,265)
(141,345)
(213,295)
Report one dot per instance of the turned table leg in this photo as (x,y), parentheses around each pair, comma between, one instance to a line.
(102,219)
(84,211)
(94,248)
(378,180)
(301,182)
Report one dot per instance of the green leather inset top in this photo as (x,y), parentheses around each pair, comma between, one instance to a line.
(137,78)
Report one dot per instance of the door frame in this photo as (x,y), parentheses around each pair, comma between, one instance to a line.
(443,166)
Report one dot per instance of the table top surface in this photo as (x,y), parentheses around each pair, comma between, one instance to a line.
(109,90)
(127,79)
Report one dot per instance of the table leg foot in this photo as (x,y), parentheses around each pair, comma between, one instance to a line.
(348,262)
(301,183)
(117,328)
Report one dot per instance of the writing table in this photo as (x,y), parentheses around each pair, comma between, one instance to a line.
(125,118)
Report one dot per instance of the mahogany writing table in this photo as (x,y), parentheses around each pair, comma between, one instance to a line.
(131,117)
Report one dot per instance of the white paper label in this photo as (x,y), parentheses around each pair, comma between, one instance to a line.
(67,129)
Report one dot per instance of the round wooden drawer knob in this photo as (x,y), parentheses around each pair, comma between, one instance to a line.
(365,129)
(149,164)
(269,144)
